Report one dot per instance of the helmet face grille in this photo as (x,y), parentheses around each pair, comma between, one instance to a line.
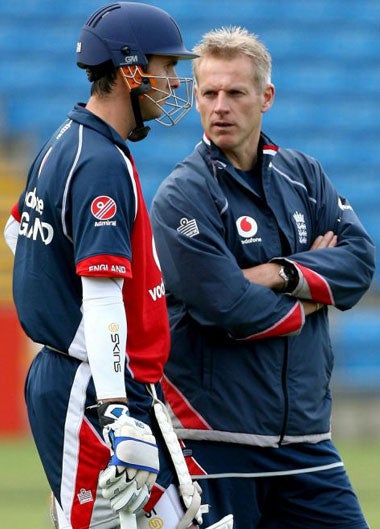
(176,104)
(173,104)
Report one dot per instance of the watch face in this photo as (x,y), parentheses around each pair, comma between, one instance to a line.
(284,276)
(292,277)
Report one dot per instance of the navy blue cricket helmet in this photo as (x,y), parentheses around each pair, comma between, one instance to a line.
(125,33)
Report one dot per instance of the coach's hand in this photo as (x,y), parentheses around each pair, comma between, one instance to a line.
(133,467)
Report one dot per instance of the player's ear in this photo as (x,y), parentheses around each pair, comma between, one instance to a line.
(268,97)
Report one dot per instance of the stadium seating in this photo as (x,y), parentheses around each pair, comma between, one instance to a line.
(355,337)
(325,68)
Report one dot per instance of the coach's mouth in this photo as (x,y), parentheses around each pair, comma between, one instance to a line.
(222,125)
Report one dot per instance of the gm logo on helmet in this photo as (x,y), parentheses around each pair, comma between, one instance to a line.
(246,226)
(131,59)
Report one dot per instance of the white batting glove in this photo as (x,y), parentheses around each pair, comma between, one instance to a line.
(128,479)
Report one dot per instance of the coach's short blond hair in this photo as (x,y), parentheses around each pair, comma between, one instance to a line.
(233,41)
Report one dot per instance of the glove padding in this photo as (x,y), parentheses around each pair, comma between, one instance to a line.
(128,490)
(134,464)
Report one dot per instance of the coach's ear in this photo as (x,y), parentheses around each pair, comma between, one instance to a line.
(196,97)
(267,97)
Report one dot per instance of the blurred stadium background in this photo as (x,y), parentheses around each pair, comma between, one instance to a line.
(326,69)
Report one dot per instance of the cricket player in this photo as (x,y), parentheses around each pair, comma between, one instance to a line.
(88,286)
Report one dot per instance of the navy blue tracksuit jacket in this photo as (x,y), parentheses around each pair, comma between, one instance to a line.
(246,366)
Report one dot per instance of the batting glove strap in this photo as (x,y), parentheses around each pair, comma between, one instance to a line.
(110,412)
(138,450)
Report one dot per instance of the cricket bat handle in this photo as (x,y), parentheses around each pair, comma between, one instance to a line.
(127,520)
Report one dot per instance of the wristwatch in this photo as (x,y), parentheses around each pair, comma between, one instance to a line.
(290,277)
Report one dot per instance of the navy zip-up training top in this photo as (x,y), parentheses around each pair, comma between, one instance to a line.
(246,366)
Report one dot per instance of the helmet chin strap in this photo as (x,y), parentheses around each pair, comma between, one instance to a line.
(140,131)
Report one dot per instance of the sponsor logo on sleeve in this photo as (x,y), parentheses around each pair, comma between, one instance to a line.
(104,208)
(188,227)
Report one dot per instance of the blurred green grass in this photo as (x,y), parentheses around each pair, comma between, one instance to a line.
(24,492)
(362,462)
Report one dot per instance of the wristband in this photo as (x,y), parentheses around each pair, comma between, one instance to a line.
(109,412)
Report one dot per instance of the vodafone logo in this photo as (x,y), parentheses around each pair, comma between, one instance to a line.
(246,226)
(103,208)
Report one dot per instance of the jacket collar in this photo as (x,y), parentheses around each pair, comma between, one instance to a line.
(265,143)
(219,161)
